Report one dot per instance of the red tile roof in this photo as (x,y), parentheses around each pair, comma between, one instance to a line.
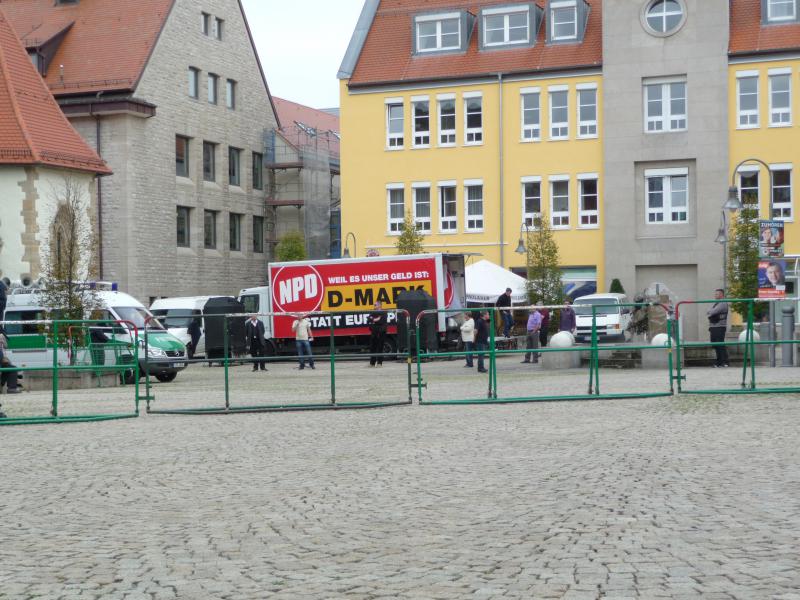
(107,47)
(33,130)
(387,53)
(290,113)
(749,36)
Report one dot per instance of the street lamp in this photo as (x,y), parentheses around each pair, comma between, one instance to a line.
(521,246)
(346,253)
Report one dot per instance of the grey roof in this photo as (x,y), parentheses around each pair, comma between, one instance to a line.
(357,40)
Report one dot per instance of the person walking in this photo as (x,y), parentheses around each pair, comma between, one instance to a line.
(482,339)
(377,335)
(567,321)
(254,330)
(532,337)
(302,339)
(468,337)
(194,332)
(503,304)
(545,323)
(717,324)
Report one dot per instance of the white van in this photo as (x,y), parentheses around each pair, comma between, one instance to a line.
(29,344)
(612,320)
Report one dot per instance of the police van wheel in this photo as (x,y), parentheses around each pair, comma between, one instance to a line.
(166,377)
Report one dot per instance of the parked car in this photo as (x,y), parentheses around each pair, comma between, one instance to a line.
(611,319)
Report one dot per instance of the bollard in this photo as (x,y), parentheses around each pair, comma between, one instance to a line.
(787,335)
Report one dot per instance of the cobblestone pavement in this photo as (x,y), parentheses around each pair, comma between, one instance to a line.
(684,497)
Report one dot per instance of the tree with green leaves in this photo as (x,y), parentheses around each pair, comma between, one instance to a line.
(616,287)
(543,263)
(410,240)
(742,264)
(291,247)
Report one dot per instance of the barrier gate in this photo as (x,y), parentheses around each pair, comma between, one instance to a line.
(68,341)
(518,390)
(232,400)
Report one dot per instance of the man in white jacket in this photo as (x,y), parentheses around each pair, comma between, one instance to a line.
(468,337)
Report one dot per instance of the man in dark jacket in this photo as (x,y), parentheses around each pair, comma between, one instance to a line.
(567,322)
(377,335)
(545,324)
(717,324)
(503,304)
(482,338)
(254,330)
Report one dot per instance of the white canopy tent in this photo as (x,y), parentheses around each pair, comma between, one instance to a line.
(486,281)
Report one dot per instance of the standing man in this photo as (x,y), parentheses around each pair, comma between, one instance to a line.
(482,338)
(468,337)
(532,337)
(503,304)
(545,324)
(3,299)
(377,335)
(567,322)
(254,330)
(717,324)
(303,338)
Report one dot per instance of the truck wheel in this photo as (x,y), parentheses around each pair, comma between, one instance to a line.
(166,377)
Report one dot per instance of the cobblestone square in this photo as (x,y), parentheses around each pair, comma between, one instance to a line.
(684,497)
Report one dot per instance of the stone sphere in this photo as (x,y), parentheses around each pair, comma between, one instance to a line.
(743,336)
(660,339)
(563,339)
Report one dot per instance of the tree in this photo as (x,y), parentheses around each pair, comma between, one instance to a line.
(69,258)
(544,270)
(410,240)
(291,247)
(616,287)
(742,264)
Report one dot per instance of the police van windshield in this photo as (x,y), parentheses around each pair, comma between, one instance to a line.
(175,317)
(137,316)
(606,306)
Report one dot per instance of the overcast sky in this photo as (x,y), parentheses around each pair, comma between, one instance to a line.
(301,44)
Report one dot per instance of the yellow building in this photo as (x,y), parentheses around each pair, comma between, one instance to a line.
(475,125)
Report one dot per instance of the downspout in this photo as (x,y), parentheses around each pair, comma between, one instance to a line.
(502,170)
(99,144)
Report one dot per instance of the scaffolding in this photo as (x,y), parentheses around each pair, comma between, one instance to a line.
(302,164)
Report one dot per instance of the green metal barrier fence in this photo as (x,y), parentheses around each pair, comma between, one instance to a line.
(60,337)
(230,404)
(493,396)
(748,383)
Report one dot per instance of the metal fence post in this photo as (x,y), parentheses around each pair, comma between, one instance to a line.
(332,348)
(226,345)
(787,335)
(669,354)
(751,345)
(492,359)
(54,408)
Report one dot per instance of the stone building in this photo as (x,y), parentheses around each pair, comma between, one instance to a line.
(43,162)
(172,95)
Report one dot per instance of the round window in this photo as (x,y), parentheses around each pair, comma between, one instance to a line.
(664,17)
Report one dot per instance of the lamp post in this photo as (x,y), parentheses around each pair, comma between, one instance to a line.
(346,253)
(521,246)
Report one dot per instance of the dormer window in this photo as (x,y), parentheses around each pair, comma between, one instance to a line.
(781,10)
(502,26)
(563,20)
(438,32)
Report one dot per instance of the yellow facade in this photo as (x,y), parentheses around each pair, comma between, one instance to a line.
(777,146)
(369,166)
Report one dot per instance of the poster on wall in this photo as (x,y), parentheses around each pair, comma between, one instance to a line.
(770,239)
(772,278)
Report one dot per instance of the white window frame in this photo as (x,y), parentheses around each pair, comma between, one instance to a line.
(438,19)
(423,224)
(773,112)
(751,116)
(788,207)
(395,223)
(420,138)
(749,170)
(529,218)
(666,117)
(554,6)
(558,219)
(474,223)
(559,125)
(473,136)
(451,222)
(666,190)
(662,16)
(506,14)
(394,141)
(533,132)
(772,19)
(586,129)
(589,214)
(450,133)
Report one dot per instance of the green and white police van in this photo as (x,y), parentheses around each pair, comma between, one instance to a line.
(30,345)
